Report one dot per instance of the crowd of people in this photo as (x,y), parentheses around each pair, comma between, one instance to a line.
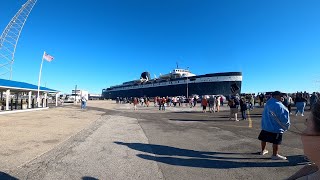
(248,101)
(237,103)
(213,102)
(274,122)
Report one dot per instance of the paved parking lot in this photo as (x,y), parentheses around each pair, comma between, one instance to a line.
(111,141)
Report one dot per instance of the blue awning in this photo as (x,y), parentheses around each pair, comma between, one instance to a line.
(16,85)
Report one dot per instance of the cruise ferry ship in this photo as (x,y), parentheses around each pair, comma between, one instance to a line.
(179,82)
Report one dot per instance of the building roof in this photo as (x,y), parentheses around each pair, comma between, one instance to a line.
(22,86)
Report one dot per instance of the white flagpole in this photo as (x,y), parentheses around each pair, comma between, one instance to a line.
(38,97)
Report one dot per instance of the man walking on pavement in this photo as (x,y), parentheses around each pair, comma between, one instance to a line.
(83,102)
(275,121)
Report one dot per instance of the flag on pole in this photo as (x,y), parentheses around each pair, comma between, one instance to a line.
(47,57)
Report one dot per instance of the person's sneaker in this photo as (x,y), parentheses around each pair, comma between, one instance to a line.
(264,152)
(278,157)
(302,115)
(237,120)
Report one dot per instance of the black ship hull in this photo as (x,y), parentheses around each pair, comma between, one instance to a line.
(181,87)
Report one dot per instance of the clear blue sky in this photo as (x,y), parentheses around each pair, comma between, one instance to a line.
(98,43)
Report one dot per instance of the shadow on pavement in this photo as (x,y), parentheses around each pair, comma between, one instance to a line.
(255,116)
(198,111)
(184,112)
(106,111)
(89,178)
(5,176)
(170,151)
(200,120)
(203,159)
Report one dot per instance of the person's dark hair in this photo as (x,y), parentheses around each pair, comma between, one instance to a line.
(299,95)
(316,116)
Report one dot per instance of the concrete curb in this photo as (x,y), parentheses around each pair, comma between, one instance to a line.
(25,110)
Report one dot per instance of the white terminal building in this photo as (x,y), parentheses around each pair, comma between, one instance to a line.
(77,94)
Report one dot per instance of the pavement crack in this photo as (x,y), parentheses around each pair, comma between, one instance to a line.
(138,118)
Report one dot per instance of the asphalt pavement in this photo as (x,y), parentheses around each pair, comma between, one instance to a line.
(179,143)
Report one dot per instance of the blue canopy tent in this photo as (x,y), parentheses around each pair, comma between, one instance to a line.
(21,86)
(22,90)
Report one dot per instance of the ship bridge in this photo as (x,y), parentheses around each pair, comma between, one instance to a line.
(182,72)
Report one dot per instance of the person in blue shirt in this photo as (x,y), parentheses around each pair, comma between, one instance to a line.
(275,121)
(83,102)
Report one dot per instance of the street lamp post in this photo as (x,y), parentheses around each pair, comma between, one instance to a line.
(187,88)
(75,94)
(187,85)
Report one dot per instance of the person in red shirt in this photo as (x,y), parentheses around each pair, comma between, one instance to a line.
(162,104)
(204,104)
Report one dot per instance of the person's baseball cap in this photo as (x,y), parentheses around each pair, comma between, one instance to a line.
(277,93)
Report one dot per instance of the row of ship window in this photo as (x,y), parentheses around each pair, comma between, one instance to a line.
(165,83)
(156,84)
